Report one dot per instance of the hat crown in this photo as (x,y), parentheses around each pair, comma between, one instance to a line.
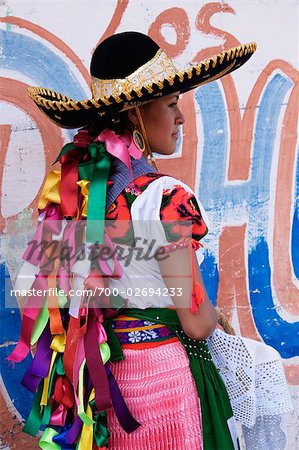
(122,54)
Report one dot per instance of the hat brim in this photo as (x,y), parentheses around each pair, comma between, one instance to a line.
(69,113)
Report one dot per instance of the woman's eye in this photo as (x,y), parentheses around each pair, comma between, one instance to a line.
(172,105)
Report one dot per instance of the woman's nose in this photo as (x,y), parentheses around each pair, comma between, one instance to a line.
(180,117)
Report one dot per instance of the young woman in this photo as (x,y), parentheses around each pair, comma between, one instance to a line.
(153,384)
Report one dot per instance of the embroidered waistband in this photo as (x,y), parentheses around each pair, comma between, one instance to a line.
(139,333)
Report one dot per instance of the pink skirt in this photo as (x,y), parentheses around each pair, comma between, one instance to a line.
(160,392)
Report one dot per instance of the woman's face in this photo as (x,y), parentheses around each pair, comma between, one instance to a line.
(162,118)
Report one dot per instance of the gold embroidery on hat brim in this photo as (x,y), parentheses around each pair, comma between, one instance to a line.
(154,71)
(59,101)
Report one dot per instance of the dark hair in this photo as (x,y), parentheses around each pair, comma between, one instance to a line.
(119,123)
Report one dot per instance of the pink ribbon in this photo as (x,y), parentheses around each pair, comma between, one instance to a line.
(101,332)
(122,147)
(117,271)
(30,314)
(58,416)
(69,253)
(50,224)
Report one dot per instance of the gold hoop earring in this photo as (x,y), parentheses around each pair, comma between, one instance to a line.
(139,140)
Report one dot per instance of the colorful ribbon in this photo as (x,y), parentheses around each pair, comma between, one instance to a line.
(100,428)
(96,170)
(197,290)
(69,176)
(86,164)
(46,441)
(121,147)
(84,185)
(40,364)
(51,223)
(30,314)
(51,190)
(86,438)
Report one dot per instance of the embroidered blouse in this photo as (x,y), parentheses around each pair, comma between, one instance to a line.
(153,212)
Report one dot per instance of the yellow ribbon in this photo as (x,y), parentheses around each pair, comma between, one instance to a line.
(84,185)
(44,399)
(84,416)
(58,343)
(86,438)
(51,189)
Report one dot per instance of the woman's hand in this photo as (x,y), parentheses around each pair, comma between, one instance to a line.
(176,270)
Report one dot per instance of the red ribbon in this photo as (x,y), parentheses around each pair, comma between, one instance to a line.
(95,364)
(197,289)
(69,177)
(74,333)
(63,392)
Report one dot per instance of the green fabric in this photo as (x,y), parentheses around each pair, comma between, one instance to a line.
(35,417)
(215,404)
(100,428)
(64,150)
(96,170)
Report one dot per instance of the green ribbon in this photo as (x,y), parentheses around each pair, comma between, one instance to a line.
(81,413)
(34,420)
(46,441)
(59,368)
(113,342)
(96,170)
(100,429)
(66,148)
(43,317)
(47,409)
(105,352)
(46,415)
(40,323)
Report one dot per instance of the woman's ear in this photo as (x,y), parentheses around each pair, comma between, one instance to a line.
(132,116)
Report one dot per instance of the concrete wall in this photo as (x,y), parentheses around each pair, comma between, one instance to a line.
(239,152)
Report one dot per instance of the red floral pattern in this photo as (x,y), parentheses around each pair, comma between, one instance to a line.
(179,213)
(181,216)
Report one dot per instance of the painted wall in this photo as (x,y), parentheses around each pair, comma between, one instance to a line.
(239,151)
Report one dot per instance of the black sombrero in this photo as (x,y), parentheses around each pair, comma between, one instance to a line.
(129,69)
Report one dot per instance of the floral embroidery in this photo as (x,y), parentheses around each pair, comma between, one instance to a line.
(148,334)
(134,336)
(127,336)
(179,213)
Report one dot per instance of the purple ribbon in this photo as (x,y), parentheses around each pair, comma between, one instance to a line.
(123,414)
(40,365)
(74,431)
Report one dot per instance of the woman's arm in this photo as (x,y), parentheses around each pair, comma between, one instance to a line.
(176,270)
